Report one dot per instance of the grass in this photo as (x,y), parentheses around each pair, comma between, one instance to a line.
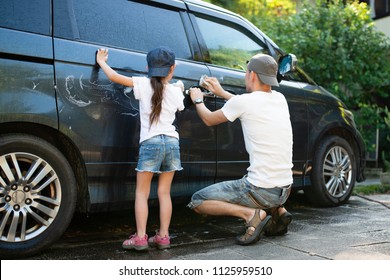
(372,189)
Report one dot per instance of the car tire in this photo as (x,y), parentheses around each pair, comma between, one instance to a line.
(334,173)
(37,195)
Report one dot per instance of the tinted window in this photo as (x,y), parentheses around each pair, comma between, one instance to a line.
(121,23)
(228,46)
(26,15)
(379,8)
(382,8)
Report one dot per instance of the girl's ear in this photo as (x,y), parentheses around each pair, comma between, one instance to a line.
(172,68)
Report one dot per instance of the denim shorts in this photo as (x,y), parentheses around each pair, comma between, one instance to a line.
(159,154)
(242,192)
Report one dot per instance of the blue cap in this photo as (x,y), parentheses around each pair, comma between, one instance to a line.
(160,61)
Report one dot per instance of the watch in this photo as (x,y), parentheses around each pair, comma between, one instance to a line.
(198,101)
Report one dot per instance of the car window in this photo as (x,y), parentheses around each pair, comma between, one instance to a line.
(228,46)
(124,24)
(26,15)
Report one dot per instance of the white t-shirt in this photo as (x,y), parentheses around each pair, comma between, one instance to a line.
(265,121)
(172,102)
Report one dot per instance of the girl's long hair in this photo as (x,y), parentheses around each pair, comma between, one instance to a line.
(157,98)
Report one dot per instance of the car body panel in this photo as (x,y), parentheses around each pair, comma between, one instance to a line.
(64,89)
(70,137)
(26,86)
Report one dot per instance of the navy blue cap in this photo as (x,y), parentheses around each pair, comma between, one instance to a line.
(160,61)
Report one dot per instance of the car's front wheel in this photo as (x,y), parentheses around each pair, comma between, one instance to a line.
(334,172)
(37,195)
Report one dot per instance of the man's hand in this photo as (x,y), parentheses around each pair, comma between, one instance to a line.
(195,93)
(215,87)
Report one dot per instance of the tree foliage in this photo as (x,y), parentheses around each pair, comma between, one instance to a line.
(338,46)
(251,9)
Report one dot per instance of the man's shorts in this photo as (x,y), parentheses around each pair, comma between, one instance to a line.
(242,192)
(159,154)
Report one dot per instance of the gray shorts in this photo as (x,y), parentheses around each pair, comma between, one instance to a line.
(242,192)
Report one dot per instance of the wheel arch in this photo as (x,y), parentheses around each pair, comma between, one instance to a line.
(66,147)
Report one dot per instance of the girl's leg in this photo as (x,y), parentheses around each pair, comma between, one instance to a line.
(164,198)
(142,192)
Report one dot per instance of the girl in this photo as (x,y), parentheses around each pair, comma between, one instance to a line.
(159,141)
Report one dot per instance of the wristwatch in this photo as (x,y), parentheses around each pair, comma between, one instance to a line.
(198,101)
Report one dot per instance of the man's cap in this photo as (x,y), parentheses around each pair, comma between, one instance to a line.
(160,61)
(266,68)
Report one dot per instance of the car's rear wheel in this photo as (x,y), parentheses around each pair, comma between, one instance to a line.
(37,195)
(334,173)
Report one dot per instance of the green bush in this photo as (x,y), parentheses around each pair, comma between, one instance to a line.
(371,189)
(338,45)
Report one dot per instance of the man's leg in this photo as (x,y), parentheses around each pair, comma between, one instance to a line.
(281,218)
(256,220)
(222,208)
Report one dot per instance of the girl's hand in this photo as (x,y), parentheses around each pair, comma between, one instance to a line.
(102,55)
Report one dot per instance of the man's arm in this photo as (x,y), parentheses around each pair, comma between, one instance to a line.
(208,117)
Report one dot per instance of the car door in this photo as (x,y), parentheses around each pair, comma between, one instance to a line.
(229,43)
(101,117)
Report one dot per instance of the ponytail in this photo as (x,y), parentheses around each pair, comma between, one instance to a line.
(158,89)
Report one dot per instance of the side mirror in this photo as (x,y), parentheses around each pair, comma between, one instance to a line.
(287,63)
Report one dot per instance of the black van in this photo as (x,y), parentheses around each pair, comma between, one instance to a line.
(69,137)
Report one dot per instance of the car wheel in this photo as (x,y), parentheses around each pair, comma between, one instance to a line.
(37,195)
(334,173)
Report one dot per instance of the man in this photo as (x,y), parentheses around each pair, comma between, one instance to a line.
(266,126)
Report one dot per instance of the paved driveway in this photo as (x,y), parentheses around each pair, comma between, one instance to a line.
(355,231)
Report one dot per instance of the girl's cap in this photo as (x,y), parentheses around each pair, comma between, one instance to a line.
(160,61)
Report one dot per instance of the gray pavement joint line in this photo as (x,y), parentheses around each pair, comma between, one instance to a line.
(299,250)
(196,241)
(373,200)
(370,244)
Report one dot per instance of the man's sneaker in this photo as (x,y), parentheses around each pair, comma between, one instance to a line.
(136,243)
(160,242)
